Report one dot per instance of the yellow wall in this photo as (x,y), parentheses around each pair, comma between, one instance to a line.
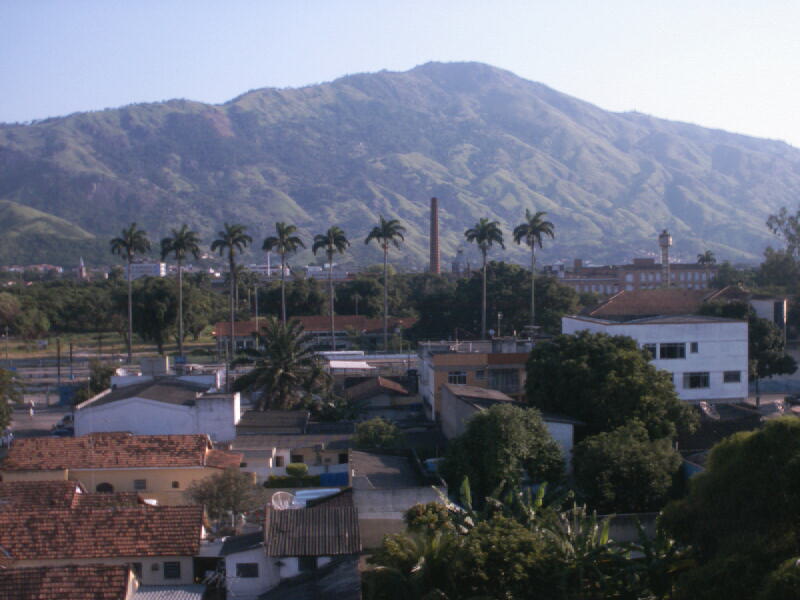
(58,475)
(149,576)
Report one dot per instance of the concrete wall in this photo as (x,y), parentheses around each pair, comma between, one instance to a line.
(722,346)
(247,588)
(290,565)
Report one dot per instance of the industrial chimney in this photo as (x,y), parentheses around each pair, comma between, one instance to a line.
(665,241)
(434,240)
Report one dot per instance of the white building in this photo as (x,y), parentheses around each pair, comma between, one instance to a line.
(148,269)
(707,356)
(161,406)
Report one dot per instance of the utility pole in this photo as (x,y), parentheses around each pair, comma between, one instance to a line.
(8,361)
(71,376)
(58,361)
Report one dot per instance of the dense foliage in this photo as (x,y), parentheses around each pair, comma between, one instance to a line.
(376,434)
(228,494)
(10,393)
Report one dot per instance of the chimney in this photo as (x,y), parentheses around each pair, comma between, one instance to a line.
(435,267)
(665,241)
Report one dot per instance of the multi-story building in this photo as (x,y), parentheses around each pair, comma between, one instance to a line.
(497,364)
(148,269)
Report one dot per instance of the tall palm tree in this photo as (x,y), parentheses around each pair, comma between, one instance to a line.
(132,241)
(485,233)
(283,242)
(332,241)
(182,243)
(531,231)
(232,239)
(386,233)
(706,259)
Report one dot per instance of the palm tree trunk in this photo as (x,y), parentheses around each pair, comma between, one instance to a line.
(283,287)
(130,313)
(483,303)
(330,298)
(180,309)
(533,285)
(385,299)
(233,309)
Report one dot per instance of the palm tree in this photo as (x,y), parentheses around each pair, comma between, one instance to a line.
(332,241)
(386,233)
(285,370)
(284,242)
(706,259)
(232,239)
(531,232)
(131,241)
(180,244)
(484,234)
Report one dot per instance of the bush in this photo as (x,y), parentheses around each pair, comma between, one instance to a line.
(286,481)
(297,469)
(377,433)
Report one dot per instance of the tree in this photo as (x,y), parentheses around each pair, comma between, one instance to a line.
(332,241)
(99,380)
(385,234)
(229,493)
(376,433)
(283,242)
(740,514)
(706,259)
(766,352)
(155,307)
(624,471)
(10,393)
(284,371)
(531,232)
(503,444)
(605,381)
(9,309)
(180,244)
(232,239)
(485,233)
(786,227)
(132,241)
(779,269)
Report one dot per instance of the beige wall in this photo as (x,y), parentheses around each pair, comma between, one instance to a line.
(149,576)
(58,475)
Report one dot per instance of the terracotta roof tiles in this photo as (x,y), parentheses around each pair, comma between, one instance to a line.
(73,582)
(21,495)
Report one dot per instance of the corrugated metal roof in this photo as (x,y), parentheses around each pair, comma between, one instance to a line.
(319,531)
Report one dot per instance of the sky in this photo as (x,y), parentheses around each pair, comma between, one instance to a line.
(725,64)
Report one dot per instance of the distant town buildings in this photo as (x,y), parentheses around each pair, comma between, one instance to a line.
(147,269)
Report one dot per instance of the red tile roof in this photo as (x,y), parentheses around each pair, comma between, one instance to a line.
(73,582)
(639,303)
(101,532)
(116,450)
(320,323)
(21,495)
(375,386)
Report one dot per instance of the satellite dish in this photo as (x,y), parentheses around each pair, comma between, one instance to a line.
(282,500)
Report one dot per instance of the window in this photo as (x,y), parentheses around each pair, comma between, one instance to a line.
(480,374)
(104,488)
(140,484)
(651,348)
(343,458)
(457,377)
(505,380)
(137,570)
(673,350)
(297,458)
(306,563)
(693,381)
(248,570)
(694,347)
(278,461)
(172,569)
(732,377)
(176,484)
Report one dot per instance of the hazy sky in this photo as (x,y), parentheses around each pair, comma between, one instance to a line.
(727,64)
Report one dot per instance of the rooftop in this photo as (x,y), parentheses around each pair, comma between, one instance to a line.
(374,386)
(273,421)
(381,471)
(319,531)
(168,389)
(660,320)
(73,582)
(114,451)
(640,303)
(142,530)
(16,495)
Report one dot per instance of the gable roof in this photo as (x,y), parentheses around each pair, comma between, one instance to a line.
(168,390)
(16,495)
(116,450)
(273,421)
(318,531)
(641,303)
(375,386)
(72,582)
(101,532)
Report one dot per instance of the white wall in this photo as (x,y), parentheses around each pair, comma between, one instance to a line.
(722,346)
(246,588)
(290,565)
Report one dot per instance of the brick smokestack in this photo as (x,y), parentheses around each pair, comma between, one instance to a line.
(435,266)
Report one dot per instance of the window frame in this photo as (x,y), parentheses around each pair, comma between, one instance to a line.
(690,380)
(457,377)
(248,570)
(727,374)
(680,347)
(171,569)
(139,485)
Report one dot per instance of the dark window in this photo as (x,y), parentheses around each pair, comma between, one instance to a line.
(673,350)
(137,570)
(278,461)
(480,374)
(505,380)
(172,569)
(105,488)
(732,376)
(343,458)
(694,347)
(651,348)
(297,458)
(457,377)
(307,563)
(247,569)
(176,484)
(692,381)
(140,484)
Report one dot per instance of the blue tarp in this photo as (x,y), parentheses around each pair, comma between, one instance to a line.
(333,479)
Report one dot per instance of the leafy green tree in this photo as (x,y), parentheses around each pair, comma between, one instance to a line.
(780,269)
(787,227)
(284,242)
(531,232)
(766,352)
(484,233)
(376,433)
(227,495)
(624,470)
(605,381)
(32,323)
(285,371)
(9,309)
(428,518)
(232,240)
(707,259)
(740,514)
(783,583)
(10,393)
(155,306)
(99,380)
(182,243)
(132,241)
(332,241)
(386,233)
(503,444)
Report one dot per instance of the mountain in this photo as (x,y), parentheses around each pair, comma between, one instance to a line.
(484,141)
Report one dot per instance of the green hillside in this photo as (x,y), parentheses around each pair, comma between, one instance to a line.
(484,141)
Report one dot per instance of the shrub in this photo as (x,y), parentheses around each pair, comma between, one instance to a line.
(377,433)
(297,469)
